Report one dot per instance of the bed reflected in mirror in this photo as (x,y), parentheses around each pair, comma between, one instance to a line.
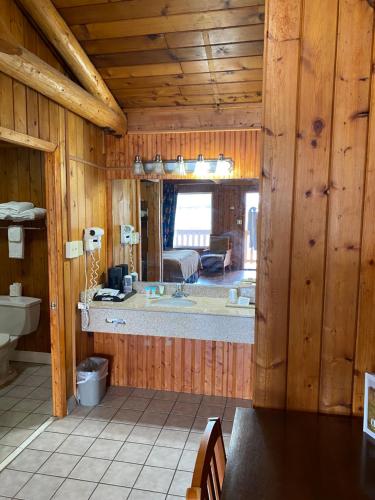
(199,231)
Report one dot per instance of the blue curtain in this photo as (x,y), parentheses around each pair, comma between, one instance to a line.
(169,213)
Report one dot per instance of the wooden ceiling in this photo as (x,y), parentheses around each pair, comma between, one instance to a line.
(168,53)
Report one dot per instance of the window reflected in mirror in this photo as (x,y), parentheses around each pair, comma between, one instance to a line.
(199,231)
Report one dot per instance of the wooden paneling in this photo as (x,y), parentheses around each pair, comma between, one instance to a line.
(315,329)
(22,171)
(310,203)
(134,41)
(86,175)
(193,118)
(183,365)
(243,147)
(151,200)
(76,198)
(125,210)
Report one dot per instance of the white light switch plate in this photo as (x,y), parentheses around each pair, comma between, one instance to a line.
(73,249)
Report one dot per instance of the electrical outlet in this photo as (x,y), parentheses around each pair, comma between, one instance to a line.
(73,249)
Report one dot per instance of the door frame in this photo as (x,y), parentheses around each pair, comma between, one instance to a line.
(56,281)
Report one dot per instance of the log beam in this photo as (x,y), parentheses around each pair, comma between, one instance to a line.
(59,34)
(24,66)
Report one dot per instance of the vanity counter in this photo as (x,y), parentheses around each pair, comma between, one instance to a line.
(207,319)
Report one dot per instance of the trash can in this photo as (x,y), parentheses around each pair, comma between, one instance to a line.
(91,380)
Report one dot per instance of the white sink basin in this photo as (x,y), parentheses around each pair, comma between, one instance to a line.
(173,302)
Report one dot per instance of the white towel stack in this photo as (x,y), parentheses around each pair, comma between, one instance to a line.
(20,211)
(32,214)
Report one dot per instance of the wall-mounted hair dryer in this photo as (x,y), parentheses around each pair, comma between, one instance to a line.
(93,238)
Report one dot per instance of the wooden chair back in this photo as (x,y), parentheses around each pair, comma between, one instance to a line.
(210,465)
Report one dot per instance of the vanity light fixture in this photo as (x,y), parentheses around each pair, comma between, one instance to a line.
(201,166)
(158,165)
(138,166)
(224,166)
(180,165)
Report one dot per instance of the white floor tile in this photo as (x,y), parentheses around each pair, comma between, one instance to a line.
(180,483)
(59,464)
(90,469)
(110,492)
(117,432)
(11,481)
(154,479)
(134,453)
(164,457)
(143,435)
(104,448)
(15,437)
(121,474)
(173,439)
(40,487)
(76,445)
(74,490)
(47,441)
(89,428)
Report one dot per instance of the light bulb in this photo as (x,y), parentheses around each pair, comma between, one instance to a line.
(180,165)
(158,165)
(223,166)
(138,166)
(201,167)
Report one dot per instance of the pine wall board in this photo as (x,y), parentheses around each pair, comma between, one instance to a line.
(22,174)
(316,289)
(75,185)
(242,146)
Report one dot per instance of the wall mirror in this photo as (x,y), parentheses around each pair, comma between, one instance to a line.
(198,231)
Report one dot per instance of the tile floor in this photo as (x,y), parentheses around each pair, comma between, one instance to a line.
(137,444)
(25,404)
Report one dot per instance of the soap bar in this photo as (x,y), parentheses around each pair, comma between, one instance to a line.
(243,301)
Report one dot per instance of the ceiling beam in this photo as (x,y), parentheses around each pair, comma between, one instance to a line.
(59,34)
(24,66)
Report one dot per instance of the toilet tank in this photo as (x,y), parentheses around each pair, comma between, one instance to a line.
(19,315)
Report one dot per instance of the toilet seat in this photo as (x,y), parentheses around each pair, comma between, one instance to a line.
(4,339)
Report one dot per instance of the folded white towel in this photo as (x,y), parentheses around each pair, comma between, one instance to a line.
(15,207)
(33,214)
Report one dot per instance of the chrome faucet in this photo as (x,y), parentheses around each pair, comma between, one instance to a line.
(180,291)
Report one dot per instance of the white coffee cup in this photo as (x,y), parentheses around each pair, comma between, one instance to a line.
(232,296)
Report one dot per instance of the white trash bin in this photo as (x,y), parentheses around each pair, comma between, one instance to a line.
(92,380)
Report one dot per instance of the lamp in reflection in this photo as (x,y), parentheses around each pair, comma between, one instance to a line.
(224,166)
(158,165)
(180,170)
(138,166)
(201,166)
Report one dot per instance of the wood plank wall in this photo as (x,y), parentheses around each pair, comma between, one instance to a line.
(85,179)
(183,365)
(242,146)
(79,189)
(212,368)
(316,286)
(22,174)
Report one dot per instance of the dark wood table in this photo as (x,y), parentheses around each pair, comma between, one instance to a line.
(276,455)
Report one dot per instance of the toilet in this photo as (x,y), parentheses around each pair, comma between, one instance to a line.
(18,316)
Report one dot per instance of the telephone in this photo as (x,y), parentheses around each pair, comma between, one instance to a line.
(109,295)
